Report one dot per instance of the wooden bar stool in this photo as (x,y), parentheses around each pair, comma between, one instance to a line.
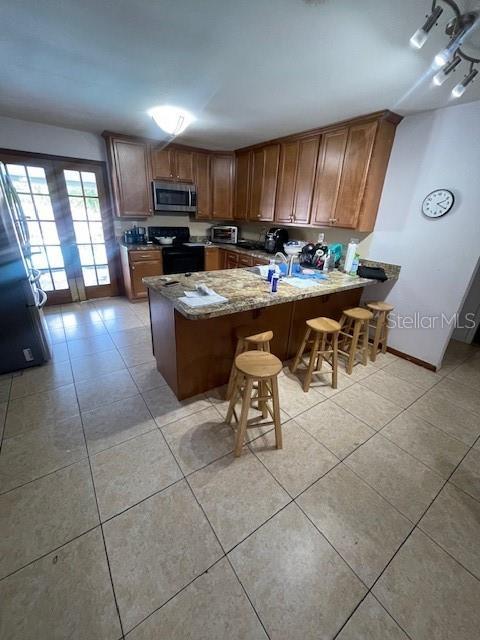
(380,312)
(324,346)
(250,367)
(245,342)
(354,325)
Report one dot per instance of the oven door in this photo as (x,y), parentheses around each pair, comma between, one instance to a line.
(174,197)
(181,261)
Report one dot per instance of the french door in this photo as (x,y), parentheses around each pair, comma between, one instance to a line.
(70,226)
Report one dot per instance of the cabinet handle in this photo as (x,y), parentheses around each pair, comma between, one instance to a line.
(133,267)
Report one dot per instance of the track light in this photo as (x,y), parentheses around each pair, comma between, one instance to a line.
(459,89)
(420,36)
(442,75)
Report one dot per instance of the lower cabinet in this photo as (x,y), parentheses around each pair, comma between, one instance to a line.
(138,264)
(213,259)
(236,260)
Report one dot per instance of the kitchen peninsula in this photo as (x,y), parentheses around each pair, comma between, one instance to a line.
(194,346)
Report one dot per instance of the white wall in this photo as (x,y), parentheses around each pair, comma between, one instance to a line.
(44,138)
(436,149)
(470,311)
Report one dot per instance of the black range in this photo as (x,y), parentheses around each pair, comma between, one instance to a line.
(178,257)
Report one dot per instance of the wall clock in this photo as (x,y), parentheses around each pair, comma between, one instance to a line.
(438,203)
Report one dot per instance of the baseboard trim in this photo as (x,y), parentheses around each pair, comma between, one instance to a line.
(406,356)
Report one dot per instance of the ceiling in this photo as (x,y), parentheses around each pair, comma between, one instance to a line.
(249,70)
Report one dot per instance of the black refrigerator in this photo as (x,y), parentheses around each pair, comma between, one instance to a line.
(24,339)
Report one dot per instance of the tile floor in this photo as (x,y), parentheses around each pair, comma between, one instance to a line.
(124,514)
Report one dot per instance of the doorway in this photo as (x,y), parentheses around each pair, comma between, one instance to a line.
(69,224)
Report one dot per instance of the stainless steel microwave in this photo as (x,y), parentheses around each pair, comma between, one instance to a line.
(174,197)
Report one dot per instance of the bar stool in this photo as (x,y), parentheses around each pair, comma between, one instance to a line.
(245,342)
(380,325)
(355,321)
(261,367)
(324,344)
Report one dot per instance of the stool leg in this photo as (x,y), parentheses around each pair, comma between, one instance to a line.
(300,350)
(234,396)
(376,338)
(231,380)
(262,405)
(353,347)
(323,346)
(365,344)
(276,413)
(311,364)
(335,361)
(242,425)
(385,333)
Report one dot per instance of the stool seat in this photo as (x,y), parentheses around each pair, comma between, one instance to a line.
(258,364)
(358,313)
(324,325)
(258,338)
(380,306)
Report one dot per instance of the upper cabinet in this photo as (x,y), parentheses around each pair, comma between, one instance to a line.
(171,163)
(329,173)
(264,182)
(286,181)
(243,167)
(202,179)
(131,176)
(222,169)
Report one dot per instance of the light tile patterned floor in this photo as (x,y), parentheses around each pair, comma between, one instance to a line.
(125,515)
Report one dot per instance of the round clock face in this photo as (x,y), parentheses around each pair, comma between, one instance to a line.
(438,203)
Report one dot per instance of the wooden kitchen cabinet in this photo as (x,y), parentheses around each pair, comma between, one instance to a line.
(138,264)
(264,182)
(222,185)
(131,176)
(202,179)
(171,163)
(213,259)
(329,172)
(243,166)
(230,259)
(305,178)
(286,181)
(244,260)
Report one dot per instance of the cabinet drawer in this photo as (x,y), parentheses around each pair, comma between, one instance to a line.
(135,256)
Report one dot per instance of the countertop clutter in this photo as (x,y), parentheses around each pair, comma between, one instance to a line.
(245,290)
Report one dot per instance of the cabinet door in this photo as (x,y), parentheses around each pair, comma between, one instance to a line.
(202,182)
(184,165)
(163,163)
(242,185)
(245,260)
(354,174)
(269,184)
(329,173)
(286,181)
(132,177)
(258,168)
(212,259)
(143,269)
(222,186)
(306,166)
(230,260)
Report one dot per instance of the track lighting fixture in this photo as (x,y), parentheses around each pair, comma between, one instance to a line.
(459,89)
(452,55)
(442,75)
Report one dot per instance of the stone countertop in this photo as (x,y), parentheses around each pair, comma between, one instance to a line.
(244,290)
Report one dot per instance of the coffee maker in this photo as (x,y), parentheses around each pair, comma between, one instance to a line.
(275,239)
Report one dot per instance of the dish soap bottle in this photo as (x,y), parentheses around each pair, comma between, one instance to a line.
(355,263)
(271,270)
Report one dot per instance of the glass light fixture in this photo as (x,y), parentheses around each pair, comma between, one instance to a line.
(173,120)
(459,89)
(442,75)
(420,36)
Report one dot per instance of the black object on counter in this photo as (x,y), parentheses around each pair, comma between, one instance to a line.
(374,273)
(275,239)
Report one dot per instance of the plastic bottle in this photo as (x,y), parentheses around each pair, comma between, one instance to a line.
(351,251)
(355,263)
(271,270)
(274,281)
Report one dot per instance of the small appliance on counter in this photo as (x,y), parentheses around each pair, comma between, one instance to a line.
(135,235)
(275,239)
(224,234)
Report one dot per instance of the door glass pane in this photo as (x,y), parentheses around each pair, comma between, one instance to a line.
(31,185)
(87,222)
